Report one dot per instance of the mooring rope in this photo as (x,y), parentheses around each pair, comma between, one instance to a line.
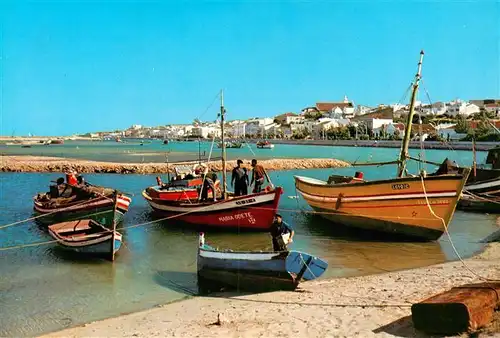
(450,239)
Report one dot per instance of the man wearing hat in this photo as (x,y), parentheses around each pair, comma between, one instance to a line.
(278,229)
(239,179)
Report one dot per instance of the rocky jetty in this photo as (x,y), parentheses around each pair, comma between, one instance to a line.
(55,164)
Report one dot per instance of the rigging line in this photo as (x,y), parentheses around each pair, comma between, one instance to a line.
(450,239)
(430,102)
(209,106)
(28,245)
(208,161)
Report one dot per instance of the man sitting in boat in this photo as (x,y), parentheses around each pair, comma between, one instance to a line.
(239,179)
(258,176)
(282,234)
(63,189)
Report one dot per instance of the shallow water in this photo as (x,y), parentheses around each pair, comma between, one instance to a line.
(44,289)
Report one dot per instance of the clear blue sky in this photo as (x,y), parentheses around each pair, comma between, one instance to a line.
(72,67)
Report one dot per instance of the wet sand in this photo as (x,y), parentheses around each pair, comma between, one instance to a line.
(376,305)
(57,164)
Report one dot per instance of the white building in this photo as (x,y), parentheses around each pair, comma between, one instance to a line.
(255,126)
(293,119)
(237,129)
(362,110)
(206,131)
(136,127)
(325,124)
(460,107)
(436,109)
(493,108)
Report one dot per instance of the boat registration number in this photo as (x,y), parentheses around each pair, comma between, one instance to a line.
(251,200)
(400,186)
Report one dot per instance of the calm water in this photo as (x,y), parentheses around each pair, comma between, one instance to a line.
(155,151)
(42,289)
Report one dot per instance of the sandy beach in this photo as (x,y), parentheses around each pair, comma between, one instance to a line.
(57,164)
(375,305)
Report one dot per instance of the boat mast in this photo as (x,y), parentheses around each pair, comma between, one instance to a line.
(222,115)
(406,141)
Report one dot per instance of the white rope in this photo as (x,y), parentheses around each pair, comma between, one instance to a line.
(449,236)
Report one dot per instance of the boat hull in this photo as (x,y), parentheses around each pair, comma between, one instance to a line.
(252,212)
(480,204)
(482,192)
(397,207)
(256,271)
(101,210)
(99,247)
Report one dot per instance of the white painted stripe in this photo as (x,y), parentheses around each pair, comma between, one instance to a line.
(376,198)
(310,180)
(478,186)
(257,256)
(220,206)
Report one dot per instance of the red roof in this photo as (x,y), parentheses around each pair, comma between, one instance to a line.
(400,126)
(328,106)
(474,124)
(492,105)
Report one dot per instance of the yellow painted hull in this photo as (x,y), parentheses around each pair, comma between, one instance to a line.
(397,206)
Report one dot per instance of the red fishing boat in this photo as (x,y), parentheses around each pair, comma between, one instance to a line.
(255,211)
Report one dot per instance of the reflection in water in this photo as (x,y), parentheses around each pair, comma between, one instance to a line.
(44,288)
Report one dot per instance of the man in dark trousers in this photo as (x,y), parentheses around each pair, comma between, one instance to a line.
(209,180)
(278,229)
(239,179)
(258,175)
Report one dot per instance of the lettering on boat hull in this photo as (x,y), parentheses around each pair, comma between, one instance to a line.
(245,215)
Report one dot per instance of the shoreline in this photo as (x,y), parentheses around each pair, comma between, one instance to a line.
(455,145)
(353,306)
(429,145)
(27,163)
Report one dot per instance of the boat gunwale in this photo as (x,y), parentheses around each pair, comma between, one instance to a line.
(203,205)
(383,181)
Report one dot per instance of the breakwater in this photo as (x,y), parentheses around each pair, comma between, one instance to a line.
(56,164)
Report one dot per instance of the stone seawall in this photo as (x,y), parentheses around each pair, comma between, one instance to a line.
(55,164)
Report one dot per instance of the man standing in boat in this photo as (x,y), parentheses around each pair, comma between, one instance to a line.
(258,175)
(209,179)
(239,179)
(278,230)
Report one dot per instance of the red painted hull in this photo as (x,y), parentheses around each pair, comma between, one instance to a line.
(253,212)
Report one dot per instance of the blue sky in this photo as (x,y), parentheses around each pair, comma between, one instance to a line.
(73,67)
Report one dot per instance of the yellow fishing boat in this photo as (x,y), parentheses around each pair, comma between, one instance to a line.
(418,206)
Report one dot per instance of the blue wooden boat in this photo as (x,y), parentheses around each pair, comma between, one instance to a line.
(254,271)
(87,237)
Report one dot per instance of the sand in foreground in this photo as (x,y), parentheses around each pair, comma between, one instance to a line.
(357,306)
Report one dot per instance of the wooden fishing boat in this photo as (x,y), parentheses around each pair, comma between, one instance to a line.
(255,212)
(89,202)
(234,145)
(419,207)
(184,186)
(482,190)
(265,145)
(86,236)
(254,271)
